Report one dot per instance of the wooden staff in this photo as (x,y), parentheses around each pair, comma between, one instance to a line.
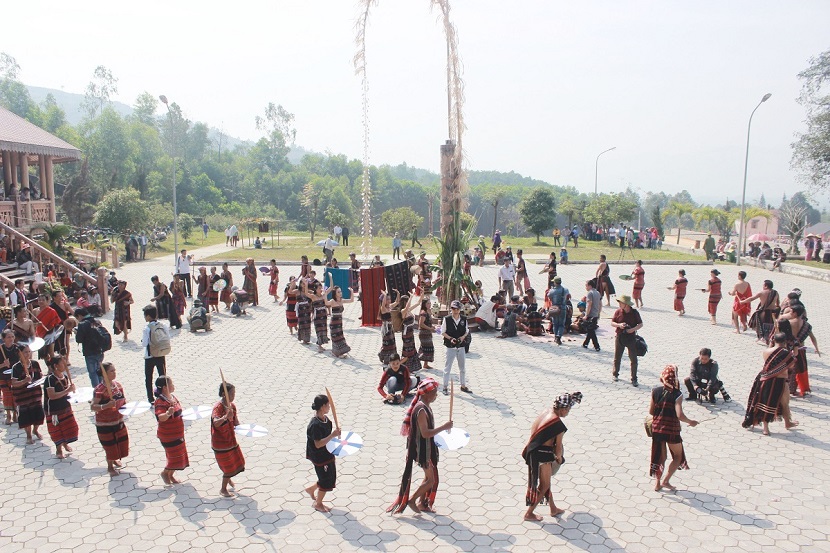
(227,397)
(333,410)
(452,396)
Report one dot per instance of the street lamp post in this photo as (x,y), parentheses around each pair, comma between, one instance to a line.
(741,231)
(596,167)
(163,99)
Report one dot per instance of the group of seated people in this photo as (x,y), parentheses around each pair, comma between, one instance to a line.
(521,314)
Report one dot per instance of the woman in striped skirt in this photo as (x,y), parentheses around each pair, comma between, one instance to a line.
(112,433)
(27,399)
(303,313)
(60,420)
(223,440)
(426,352)
(409,354)
(321,315)
(714,289)
(388,345)
(290,298)
(339,347)
(9,353)
(170,431)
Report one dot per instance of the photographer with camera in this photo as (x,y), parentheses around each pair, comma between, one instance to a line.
(627,321)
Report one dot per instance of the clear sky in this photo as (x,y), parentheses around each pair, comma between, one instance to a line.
(549,83)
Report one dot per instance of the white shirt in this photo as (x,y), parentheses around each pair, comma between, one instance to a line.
(338,230)
(182,265)
(487,313)
(16,297)
(507,272)
(444,323)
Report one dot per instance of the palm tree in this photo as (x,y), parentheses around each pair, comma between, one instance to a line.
(54,236)
(678,210)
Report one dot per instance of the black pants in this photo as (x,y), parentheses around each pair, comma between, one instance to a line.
(712,388)
(591,336)
(622,342)
(186,278)
(151,363)
(418,241)
(345,239)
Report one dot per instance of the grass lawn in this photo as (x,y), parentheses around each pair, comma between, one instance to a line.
(195,241)
(293,246)
(813,264)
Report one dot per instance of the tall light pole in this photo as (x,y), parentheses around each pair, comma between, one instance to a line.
(743,195)
(596,167)
(163,99)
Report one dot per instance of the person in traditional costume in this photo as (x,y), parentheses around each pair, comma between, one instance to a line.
(354,273)
(409,354)
(321,431)
(164,303)
(769,398)
(223,420)
(10,354)
(202,285)
(388,344)
(170,431)
(321,312)
(225,295)
(639,276)
(107,399)
(396,381)
(28,400)
(680,292)
(766,313)
(793,323)
(666,408)
(713,287)
(426,353)
(740,310)
(47,320)
(545,454)
(273,286)
(121,301)
(24,328)
(603,277)
(178,300)
(60,420)
(290,299)
(213,293)
(303,312)
(420,431)
(339,347)
(249,271)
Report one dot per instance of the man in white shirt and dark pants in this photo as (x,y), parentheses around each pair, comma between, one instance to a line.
(454,330)
(183,270)
(507,274)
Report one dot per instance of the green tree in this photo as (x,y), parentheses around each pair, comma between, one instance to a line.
(606,209)
(494,196)
(399,220)
(538,211)
(278,124)
(570,207)
(122,211)
(99,91)
(14,96)
(186,225)
(811,152)
(144,109)
(312,191)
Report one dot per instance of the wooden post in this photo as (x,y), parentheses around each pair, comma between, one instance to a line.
(50,183)
(24,173)
(7,171)
(102,289)
(449,198)
(41,172)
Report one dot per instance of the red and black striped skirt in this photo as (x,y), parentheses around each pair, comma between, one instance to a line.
(115,440)
(231,462)
(66,431)
(176,453)
(8,396)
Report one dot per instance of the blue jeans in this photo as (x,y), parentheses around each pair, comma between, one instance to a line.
(559,323)
(93,363)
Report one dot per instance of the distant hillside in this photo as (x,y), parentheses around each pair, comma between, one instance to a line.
(425,177)
(72,104)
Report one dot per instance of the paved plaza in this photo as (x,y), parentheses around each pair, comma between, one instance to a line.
(744,492)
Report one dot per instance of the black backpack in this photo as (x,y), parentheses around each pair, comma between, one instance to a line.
(100,336)
(640,346)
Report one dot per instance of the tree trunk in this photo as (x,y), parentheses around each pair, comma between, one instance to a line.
(495,215)
(678,234)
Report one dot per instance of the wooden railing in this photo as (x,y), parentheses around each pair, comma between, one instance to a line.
(42,256)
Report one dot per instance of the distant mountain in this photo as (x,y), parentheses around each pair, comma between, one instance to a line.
(426,177)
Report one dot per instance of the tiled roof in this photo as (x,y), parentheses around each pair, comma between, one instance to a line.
(18,135)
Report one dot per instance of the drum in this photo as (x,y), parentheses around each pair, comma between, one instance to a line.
(219,285)
(134,408)
(626,277)
(81,395)
(34,344)
(37,382)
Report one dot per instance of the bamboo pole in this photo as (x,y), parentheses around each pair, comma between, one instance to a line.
(452,396)
(227,397)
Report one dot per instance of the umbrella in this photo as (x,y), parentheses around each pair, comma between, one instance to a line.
(759,237)
(322,242)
